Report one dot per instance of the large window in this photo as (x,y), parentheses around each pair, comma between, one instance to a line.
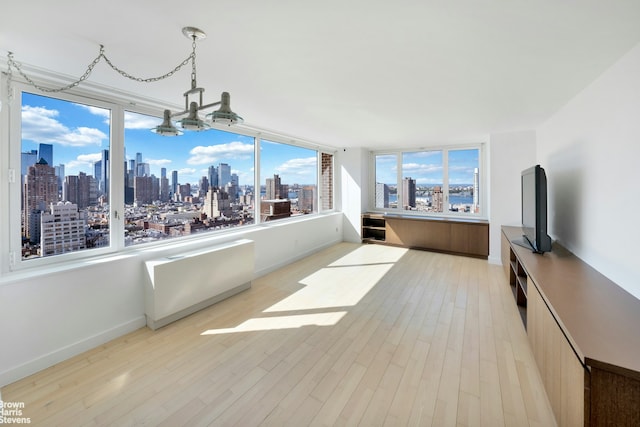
(92,179)
(288,181)
(442,181)
(64,176)
(201,182)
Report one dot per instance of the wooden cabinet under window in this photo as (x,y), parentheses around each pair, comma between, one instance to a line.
(583,331)
(457,236)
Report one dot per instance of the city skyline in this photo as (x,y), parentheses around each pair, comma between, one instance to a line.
(79,133)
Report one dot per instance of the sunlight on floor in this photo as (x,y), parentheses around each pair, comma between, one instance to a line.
(343,283)
(282,322)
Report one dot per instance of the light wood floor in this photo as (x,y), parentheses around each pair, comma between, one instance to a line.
(355,334)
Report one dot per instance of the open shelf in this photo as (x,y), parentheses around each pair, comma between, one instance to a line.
(518,282)
(374,228)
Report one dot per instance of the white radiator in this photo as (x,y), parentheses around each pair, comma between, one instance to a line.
(183,284)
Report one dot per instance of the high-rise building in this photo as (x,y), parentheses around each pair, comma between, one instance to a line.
(212,174)
(62,229)
(138,160)
(45,151)
(203,186)
(184,190)
(437,199)
(224,174)
(216,203)
(59,171)
(382,195)
(163,172)
(40,189)
(306,201)
(174,182)
(274,189)
(164,189)
(103,178)
(409,193)
(142,190)
(143,169)
(27,159)
(78,190)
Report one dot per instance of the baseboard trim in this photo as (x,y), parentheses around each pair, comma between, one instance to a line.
(16,373)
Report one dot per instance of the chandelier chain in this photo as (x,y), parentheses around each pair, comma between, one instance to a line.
(18,66)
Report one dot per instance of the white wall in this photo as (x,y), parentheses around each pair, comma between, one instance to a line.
(591,152)
(509,154)
(48,318)
(354,191)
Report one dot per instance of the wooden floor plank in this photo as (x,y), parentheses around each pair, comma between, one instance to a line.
(356,334)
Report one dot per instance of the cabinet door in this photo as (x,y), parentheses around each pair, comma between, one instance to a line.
(560,369)
(470,239)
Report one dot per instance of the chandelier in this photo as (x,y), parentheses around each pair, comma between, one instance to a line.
(222,116)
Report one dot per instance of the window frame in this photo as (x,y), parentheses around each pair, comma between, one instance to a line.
(398,153)
(118,104)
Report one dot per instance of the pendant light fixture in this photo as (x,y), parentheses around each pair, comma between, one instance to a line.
(190,121)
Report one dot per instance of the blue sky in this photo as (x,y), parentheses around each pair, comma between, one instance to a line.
(79,133)
(426,167)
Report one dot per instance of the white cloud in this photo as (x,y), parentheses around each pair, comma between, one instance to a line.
(82,163)
(158,162)
(131,120)
(212,154)
(40,125)
(302,166)
(186,171)
(140,121)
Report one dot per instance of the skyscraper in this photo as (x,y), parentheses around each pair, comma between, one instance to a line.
(437,199)
(77,190)
(174,182)
(216,203)
(273,188)
(28,159)
(409,193)
(103,178)
(45,151)
(224,174)
(382,195)
(213,176)
(40,190)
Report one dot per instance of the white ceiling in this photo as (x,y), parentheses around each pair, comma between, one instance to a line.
(343,72)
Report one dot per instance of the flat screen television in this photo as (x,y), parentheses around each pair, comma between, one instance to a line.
(534,209)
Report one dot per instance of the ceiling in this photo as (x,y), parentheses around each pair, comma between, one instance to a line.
(345,73)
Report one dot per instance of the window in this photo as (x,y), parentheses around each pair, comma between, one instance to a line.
(464,181)
(439,181)
(422,181)
(386,183)
(92,179)
(204,183)
(288,181)
(64,175)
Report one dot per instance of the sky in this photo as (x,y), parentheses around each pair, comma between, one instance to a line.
(79,133)
(426,167)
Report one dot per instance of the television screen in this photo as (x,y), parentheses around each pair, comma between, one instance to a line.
(534,209)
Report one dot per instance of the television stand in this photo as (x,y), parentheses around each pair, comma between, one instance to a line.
(582,329)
